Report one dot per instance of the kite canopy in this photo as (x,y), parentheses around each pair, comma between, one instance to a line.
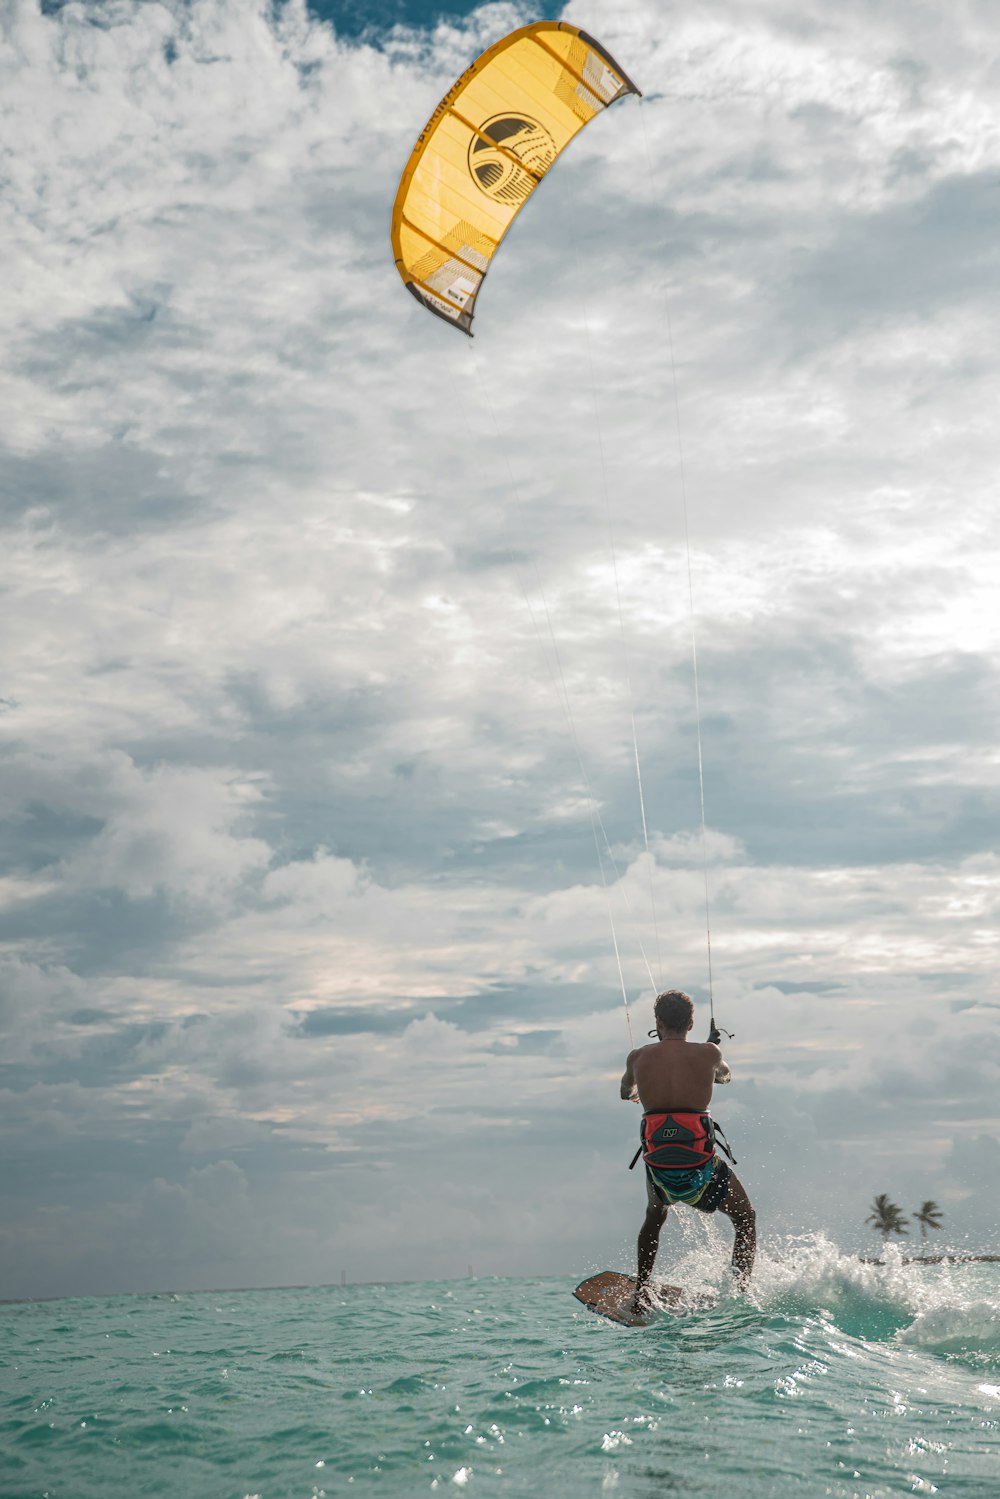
(483,152)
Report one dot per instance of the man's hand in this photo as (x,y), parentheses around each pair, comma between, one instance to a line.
(629,1091)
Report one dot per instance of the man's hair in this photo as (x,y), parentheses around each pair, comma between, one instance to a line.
(674,1010)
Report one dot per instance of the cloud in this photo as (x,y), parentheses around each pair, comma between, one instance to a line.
(170,829)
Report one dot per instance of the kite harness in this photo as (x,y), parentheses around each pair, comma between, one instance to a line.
(681,1140)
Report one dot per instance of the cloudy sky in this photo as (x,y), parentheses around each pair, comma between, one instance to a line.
(315,679)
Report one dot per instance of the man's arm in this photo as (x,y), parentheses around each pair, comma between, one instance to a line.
(629,1090)
(722,1072)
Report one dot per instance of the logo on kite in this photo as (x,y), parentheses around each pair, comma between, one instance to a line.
(521,153)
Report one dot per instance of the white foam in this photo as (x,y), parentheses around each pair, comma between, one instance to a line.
(949,1308)
(956,1328)
(812,1268)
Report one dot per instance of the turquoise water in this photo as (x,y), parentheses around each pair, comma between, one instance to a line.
(833,1378)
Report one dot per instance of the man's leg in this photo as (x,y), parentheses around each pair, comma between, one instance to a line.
(649,1242)
(737,1206)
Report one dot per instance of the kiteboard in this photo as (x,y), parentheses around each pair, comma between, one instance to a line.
(609,1294)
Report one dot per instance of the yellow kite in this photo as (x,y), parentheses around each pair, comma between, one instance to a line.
(483,152)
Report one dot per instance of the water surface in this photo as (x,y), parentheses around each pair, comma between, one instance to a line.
(833,1378)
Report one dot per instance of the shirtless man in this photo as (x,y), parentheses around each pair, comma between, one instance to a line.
(673,1080)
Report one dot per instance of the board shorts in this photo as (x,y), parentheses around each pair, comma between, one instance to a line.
(702,1188)
(681,1161)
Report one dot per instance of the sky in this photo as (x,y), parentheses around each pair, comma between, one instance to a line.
(325,630)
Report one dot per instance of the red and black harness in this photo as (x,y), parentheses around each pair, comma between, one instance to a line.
(681,1140)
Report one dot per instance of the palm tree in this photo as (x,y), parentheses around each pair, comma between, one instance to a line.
(887,1217)
(930,1216)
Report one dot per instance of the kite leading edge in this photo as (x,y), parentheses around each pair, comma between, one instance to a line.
(483,152)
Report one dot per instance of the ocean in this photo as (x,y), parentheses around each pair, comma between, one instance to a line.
(833,1377)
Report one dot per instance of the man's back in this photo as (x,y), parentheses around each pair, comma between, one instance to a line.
(677,1075)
